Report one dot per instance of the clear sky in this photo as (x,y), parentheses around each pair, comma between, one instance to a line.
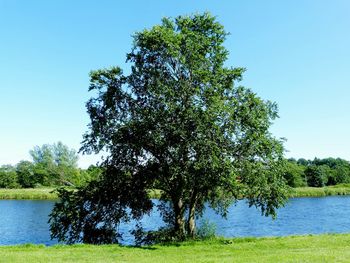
(297,53)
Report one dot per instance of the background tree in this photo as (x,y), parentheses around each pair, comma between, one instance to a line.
(176,123)
(8,177)
(294,174)
(338,170)
(341,174)
(26,174)
(55,164)
(54,154)
(316,176)
(303,162)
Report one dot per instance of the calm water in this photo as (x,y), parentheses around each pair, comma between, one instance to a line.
(26,221)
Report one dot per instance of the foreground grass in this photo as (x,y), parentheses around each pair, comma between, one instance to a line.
(322,248)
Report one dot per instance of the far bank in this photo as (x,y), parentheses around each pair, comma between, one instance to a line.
(49,193)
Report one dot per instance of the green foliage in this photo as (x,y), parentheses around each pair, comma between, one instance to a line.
(316,176)
(303,162)
(207,230)
(294,174)
(94,172)
(8,177)
(26,173)
(56,154)
(178,123)
(340,175)
(73,218)
(317,172)
(53,165)
(340,170)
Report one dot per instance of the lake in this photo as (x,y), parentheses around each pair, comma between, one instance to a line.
(25,221)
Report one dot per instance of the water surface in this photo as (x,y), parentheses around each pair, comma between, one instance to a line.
(24,221)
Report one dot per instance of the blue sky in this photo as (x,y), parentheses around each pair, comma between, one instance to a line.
(297,53)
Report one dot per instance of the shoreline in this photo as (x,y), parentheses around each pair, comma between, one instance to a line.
(48,194)
(320,191)
(28,194)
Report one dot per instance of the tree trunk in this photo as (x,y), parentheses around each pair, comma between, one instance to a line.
(191,221)
(179,218)
(191,224)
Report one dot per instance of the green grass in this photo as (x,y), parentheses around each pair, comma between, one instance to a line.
(322,248)
(46,193)
(342,189)
(28,193)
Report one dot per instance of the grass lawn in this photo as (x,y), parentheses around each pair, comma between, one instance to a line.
(320,248)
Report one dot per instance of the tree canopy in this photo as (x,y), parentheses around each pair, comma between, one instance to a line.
(54,155)
(180,123)
(55,164)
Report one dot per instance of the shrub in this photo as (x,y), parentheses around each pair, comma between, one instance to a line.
(206,230)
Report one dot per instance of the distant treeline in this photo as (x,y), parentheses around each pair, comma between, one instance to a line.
(317,172)
(51,165)
(56,165)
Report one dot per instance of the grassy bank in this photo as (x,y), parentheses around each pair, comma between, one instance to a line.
(343,189)
(30,193)
(46,193)
(322,248)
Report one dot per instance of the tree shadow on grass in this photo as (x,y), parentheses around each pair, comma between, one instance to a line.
(142,247)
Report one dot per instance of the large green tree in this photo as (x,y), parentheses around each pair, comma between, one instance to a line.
(178,122)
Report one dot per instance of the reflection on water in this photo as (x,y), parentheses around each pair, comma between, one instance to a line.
(24,221)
